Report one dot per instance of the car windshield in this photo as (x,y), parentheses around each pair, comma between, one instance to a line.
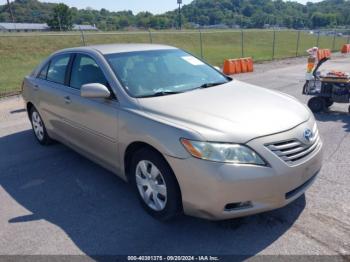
(162,72)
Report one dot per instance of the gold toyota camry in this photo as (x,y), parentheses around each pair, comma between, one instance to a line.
(189,138)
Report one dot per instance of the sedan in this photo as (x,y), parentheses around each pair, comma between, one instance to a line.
(187,137)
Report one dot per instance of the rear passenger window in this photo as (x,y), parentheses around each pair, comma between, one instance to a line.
(86,71)
(43,72)
(58,68)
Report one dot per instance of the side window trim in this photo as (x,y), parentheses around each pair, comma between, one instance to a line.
(69,70)
(65,74)
(47,66)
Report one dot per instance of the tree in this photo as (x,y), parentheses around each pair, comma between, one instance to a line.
(322,20)
(248,13)
(62,18)
(123,22)
(4,17)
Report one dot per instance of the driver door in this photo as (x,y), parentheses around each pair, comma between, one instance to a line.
(93,121)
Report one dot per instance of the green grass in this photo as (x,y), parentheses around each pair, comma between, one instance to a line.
(20,53)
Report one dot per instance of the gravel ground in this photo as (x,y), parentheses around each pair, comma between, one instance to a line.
(54,202)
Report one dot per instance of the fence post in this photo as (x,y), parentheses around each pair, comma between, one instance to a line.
(150,36)
(82,37)
(298,43)
(273,44)
(318,38)
(201,42)
(242,43)
(335,34)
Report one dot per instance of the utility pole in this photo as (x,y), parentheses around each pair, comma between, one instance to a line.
(12,17)
(180,18)
(59,22)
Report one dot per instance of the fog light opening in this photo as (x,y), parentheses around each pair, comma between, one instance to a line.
(238,205)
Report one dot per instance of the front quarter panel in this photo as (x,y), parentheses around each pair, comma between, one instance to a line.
(137,126)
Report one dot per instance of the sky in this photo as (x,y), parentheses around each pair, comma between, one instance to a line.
(153,6)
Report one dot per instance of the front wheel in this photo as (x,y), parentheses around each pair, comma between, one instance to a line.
(156,185)
(317,104)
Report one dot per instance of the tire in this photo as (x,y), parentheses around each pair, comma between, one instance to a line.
(305,88)
(328,102)
(317,104)
(39,128)
(155,185)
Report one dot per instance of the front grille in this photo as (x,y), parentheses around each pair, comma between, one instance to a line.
(293,150)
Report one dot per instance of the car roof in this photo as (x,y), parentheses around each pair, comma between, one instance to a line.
(119,48)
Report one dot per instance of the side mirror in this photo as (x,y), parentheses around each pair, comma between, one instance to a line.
(217,68)
(94,90)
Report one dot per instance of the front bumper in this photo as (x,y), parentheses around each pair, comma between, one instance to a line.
(208,188)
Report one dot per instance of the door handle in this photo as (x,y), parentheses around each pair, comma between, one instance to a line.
(67,100)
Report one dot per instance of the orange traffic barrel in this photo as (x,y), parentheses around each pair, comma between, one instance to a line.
(320,54)
(229,67)
(327,53)
(250,64)
(247,64)
(345,49)
(238,65)
(323,53)
(244,65)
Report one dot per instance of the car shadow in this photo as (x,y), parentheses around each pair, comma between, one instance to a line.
(335,116)
(101,214)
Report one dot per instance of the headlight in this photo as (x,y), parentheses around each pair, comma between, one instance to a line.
(222,152)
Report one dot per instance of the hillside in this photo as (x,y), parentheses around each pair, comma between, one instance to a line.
(233,13)
(257,13)
(31,11)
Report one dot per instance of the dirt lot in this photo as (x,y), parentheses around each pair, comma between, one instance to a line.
(53,201)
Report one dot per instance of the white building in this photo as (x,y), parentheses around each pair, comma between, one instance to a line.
(85,28)
(23,27)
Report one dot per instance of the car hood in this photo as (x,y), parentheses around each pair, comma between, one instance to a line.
(233,112)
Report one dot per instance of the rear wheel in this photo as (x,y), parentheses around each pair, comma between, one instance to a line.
(39,127)
(156,185)
(317,104)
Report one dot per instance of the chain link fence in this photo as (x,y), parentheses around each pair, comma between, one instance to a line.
(21,52)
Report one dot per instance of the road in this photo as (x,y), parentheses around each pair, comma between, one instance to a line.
(54,201)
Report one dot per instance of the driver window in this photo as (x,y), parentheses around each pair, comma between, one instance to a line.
(86,71)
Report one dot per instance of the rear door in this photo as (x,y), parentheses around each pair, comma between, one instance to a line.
(93,122)
(50,92)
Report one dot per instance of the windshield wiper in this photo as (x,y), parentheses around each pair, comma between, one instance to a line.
(161,93)
(207,85)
